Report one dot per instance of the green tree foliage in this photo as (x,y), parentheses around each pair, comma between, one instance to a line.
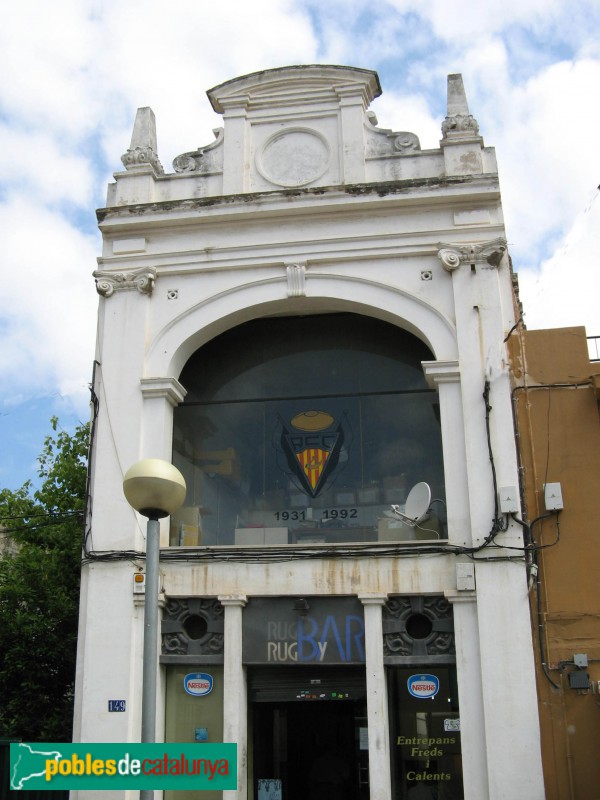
(39,592)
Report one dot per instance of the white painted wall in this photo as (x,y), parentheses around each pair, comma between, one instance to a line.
(216,242)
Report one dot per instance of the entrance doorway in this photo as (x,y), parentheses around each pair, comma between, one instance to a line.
(318,750)
(309,734)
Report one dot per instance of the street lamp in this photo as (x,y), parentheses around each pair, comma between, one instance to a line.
(156,489)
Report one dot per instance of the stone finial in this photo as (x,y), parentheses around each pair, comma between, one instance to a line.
(143,149)
(459,124)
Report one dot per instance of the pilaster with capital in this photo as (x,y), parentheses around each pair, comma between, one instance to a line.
(444,376)
(470,693)
(235,713)
(160,396)
(377,703)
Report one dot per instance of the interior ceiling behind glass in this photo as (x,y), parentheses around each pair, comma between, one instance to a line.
(305,356)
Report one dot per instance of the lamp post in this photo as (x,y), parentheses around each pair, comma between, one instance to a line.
(156,489)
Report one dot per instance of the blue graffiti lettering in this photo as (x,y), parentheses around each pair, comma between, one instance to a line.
(331,623)
(359,637)
(309,638)
(350,646)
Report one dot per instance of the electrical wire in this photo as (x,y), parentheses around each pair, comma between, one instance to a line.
(47,524)
(514,327)
(87,508)
(533,548)
(227,553)
(540,625)
(41,514)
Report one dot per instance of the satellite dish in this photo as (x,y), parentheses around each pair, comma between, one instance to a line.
(418,501)
(417,504)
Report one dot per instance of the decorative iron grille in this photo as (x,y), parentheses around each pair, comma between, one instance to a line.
(192,630)
(418,630)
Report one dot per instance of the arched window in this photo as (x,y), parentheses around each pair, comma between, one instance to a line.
(306,430)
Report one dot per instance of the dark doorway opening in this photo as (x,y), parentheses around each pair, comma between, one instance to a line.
(317,749)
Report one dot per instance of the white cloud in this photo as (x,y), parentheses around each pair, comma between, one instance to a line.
(48,303)
(565,290)
(46,56)
(81,68)
(545,133)
(409,113)
(453,20)
(35,160)
(168,56)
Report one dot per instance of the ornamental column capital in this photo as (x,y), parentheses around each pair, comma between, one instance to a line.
(437,372)
(107,282)
(487,254)
(373,599)
(239,600)
(168,388)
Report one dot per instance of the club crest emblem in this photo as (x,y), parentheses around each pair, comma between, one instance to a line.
(311,447)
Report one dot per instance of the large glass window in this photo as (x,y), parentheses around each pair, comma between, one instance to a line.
(425,741)
(306,430)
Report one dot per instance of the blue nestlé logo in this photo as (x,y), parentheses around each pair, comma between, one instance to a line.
(423,686)
(198,683)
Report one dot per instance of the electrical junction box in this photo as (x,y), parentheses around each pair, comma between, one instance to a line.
(579,680)
(508,499)
(465,577)
(553,497)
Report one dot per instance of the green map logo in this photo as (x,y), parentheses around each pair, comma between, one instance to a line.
(197,766)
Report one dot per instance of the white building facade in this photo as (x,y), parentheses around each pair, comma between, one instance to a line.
(308,318)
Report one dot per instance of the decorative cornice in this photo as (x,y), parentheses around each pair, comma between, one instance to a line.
(486,253)
(239,600)
(405,141)
(374,599)
(107,283)
(384,141)
(296,280)
(437,372)
(454,597)
(169,388)
(196,160)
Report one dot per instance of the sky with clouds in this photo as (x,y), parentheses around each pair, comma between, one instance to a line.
(73,73)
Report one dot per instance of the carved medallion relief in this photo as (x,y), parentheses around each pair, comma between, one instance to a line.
(294,157)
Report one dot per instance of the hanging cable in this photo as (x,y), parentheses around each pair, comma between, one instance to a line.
(87,507)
